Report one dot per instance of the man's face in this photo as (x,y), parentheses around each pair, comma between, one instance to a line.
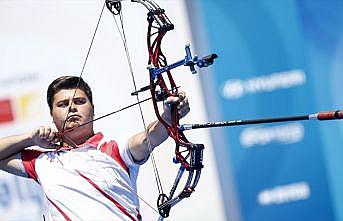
(80,110)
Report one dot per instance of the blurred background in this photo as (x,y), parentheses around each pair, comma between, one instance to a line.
(276,58)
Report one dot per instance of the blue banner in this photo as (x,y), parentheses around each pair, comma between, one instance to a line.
(276,58)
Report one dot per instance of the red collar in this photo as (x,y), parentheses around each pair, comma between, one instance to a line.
(94,140)
(91,142)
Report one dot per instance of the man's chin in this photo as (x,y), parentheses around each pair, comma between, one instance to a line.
(72,125)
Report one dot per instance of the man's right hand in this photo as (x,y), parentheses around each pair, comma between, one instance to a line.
(44,137)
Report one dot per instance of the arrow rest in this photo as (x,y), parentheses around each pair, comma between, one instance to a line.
(160,95)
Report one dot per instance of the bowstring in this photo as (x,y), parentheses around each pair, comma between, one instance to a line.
(83,67)
(121,31)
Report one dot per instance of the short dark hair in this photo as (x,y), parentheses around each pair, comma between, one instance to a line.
(67,82)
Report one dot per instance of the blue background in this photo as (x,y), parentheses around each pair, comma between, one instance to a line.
(258,38)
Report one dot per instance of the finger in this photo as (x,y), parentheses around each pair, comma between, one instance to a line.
(35,132)
(182,95)
(59,136)
(172,100)
(51,135)
(183,108)
(183,104)
(184,111)
(57,140)
(47,131)
(41,132)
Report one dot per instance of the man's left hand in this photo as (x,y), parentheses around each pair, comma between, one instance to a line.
(182,106)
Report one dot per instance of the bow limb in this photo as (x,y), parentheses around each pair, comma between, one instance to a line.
(192,160)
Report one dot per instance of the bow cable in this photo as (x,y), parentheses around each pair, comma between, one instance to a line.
(121,30)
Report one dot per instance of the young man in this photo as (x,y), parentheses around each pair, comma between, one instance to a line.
(87,177)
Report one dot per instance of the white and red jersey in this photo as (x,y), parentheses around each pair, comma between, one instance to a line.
(96,181)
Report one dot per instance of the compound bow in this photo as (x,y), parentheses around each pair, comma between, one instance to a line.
(187,154)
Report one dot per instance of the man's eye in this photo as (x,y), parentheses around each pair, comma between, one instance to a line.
(79,101)
(63,104)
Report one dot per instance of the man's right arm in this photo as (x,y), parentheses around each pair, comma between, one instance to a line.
(14,144)
(11,146)
(13,165)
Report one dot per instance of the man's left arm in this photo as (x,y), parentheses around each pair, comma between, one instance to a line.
(156,133)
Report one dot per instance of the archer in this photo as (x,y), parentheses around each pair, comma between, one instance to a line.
(83,176)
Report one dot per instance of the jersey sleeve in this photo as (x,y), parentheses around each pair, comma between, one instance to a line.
(28,158)
(123,156)
(20,165)
(111,149)
(126,154)
(131,163)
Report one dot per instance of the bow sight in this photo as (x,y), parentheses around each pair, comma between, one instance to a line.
(189,61)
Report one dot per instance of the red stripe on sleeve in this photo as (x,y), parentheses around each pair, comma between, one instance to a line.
(28,158)
(112,150)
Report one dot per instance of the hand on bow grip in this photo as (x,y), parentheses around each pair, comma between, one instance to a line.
(181,103)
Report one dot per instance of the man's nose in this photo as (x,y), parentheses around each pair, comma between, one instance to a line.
(72,108)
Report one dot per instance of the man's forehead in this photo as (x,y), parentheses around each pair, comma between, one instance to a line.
(69,93)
